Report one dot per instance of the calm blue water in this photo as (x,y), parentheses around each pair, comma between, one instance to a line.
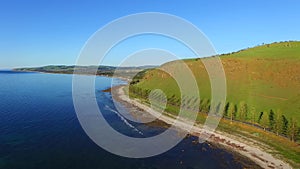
(39,130)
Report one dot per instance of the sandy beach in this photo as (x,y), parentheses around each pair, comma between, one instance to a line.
(252,149)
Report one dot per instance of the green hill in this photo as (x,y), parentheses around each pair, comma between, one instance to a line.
(265,77)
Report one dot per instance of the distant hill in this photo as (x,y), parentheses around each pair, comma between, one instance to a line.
(101,70)
(264,77)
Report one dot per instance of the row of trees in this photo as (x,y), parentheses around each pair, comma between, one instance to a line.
(274,121)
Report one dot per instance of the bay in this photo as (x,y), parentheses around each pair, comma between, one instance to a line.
(39,129)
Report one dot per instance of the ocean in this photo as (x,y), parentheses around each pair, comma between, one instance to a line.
(39,129)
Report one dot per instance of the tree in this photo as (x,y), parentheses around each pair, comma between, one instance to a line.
(226,110)
(196,104)
(148,91)
(285,125)
(242,111)
(205,105)
(271,119)
(189,100)
(264,121)
(252,114)
(231,111)
(293,129)
(171,100)
(279,123)
(260,116)
(144,93)
(217,110)
(196,100)
(207,108)
(177,102)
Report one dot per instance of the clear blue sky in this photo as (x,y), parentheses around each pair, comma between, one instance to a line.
(42,32)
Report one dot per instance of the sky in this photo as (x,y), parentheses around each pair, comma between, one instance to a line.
(44,32)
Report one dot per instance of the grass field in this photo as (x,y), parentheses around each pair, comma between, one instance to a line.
(266,77)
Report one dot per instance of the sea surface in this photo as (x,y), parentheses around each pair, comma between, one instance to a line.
(39,129)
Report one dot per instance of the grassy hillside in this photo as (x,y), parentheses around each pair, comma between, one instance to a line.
(266,77)
(263,81)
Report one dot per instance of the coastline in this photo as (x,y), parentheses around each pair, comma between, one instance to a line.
(253,150)
(63,73)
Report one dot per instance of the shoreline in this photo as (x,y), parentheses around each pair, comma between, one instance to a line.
(249,148)
(62,73)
